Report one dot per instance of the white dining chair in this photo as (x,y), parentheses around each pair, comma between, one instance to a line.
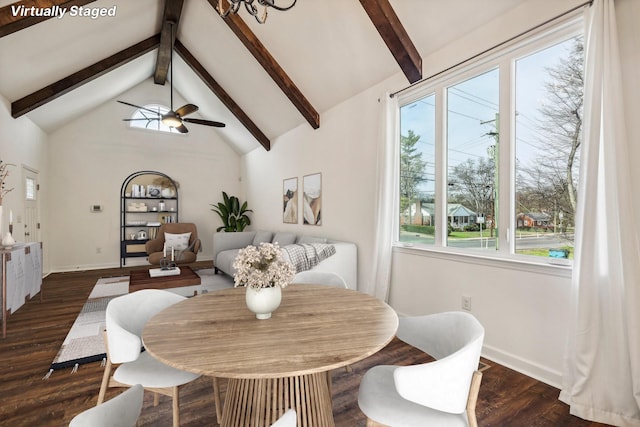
(320,278)
(327,279)
(288,419)
(126,317)
(441,393)
(121,411)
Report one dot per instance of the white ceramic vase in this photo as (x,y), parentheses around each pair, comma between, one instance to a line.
(263,301)
(8,240)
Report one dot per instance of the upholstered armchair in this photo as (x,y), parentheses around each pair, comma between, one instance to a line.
(181,236)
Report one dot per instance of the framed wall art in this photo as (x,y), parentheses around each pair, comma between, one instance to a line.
(312,199)
(290,200)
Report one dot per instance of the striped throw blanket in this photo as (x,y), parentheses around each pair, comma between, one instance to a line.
(305,256)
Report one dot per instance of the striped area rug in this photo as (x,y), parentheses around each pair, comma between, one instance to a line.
(85,343)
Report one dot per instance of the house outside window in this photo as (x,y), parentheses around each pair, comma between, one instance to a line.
(144,118)
(490,153)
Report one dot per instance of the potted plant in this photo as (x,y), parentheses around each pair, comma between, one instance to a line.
(233,214)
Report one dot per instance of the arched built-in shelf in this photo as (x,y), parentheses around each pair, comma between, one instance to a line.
(147,200)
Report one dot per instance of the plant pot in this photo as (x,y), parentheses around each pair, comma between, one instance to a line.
(263,301)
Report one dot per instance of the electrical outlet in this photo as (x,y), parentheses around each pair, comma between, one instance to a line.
(466,302)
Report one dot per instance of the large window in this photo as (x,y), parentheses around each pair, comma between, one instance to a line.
(489,155)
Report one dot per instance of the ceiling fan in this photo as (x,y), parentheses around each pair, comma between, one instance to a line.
(174,118)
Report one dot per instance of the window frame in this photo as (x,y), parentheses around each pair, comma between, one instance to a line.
(160,128)
(503,58)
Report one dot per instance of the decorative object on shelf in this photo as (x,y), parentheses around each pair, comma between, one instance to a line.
(234,5)
(153,190)
(162,206)
(168,193)
(142,235)
(312,199)
(290,201)
(234,216)
(138,207)
(263,271)
(138,190)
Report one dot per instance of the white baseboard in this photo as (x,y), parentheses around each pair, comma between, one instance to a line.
(524,366)
(519,364)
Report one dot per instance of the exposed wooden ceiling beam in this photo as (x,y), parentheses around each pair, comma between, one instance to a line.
(77,79)
(271,66)
(395,36)
(170,20)
(18,15)
(222,95)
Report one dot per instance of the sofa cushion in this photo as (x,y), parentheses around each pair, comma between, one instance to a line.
(262,237)
(311,239)
(284,239)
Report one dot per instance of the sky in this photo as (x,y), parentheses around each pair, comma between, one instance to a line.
(473,105)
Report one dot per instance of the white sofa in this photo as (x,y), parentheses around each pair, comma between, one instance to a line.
(344,262)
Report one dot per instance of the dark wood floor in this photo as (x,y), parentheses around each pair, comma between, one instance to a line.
(36,331)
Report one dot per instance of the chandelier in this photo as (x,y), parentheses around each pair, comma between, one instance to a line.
(250,6)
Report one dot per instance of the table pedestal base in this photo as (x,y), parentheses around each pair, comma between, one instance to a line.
(260,402)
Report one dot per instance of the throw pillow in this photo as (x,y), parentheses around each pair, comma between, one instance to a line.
(284,238)
(262,236)
(179,242)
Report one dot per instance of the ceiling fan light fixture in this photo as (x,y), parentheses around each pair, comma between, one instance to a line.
(250,6)
(171,119)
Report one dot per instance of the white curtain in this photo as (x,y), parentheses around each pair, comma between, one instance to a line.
(601,378)
(385,219)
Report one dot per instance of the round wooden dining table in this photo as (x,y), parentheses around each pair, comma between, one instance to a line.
(278,363)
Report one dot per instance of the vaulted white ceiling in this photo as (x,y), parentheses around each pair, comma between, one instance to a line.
(329,48)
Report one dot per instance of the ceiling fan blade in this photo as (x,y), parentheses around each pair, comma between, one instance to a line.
(186,109)
(205,122)
(138,106)
(182,129)
(148,120)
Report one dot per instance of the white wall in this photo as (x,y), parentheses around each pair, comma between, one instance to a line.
(343,149)
(524,310)
(92,156)
(25,145)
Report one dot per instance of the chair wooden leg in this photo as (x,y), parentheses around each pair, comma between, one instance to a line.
(105,381)
(156,399)
(371,423)
(473,398)
(176,407)
(216,397)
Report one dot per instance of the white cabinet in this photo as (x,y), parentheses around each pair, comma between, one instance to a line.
(21,277)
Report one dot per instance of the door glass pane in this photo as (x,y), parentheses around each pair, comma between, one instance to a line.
(417,171)
(30,188)
(472,153)
(549,89)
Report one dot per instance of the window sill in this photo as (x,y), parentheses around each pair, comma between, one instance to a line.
(559,268)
